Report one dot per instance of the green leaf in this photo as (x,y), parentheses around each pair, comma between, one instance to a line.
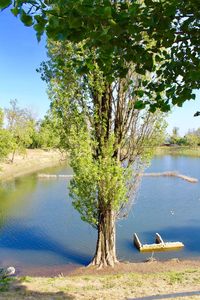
(112,22)
(165,107)
(140,70)
(74,23)
(139,105)
(39,31)
(133,9)
(140,93)
(26,19)
(108,11)
(5,3)
(194,75)
(15,11)
(83,70)
(153,108)
(39,27)
(148,2)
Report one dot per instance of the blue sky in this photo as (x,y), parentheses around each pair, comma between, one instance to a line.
(21,54)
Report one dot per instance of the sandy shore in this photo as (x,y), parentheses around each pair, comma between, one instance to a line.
(33,161)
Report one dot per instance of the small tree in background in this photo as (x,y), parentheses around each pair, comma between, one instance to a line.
(20,125)
(193,138)
(5,139)
(174,138)
(48,134)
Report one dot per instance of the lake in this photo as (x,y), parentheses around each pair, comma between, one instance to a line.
(39,226)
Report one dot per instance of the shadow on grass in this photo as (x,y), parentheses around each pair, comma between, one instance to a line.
(13,289)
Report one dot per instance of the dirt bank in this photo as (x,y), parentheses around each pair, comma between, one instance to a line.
(121,268)
(152,280)
(33,161)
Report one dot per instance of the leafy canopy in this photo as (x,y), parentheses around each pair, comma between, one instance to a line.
(147,33)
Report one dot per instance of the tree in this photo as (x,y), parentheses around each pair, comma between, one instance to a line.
(20,125)
(193,137)
(109,140)
(174,138)
(192,140)
(129,55)
(5,139)
(48,135)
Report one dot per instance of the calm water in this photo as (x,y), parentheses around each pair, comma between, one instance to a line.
(39,227)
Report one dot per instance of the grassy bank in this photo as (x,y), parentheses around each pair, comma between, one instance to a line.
(32,161)
(182,284)
(178,150)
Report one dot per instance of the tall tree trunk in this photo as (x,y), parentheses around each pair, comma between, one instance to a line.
(105,250)
(105,254)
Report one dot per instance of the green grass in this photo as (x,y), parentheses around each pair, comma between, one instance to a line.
(176,277)
(5,284)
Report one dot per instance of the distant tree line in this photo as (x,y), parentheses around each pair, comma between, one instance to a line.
(20,130)
(191,138)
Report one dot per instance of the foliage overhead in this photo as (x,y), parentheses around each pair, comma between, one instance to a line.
(147,33)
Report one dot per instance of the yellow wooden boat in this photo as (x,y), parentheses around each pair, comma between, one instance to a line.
(159,244)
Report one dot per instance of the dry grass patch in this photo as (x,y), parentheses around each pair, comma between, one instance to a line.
(112,287)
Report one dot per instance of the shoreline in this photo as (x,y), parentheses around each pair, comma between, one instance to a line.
(123,267)
(34,160)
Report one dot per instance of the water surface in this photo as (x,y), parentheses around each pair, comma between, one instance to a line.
(39,226)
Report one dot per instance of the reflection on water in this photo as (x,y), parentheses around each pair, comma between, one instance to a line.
(13,197)
(38,225)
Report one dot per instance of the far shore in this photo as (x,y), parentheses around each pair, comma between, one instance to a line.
(178,150)
(34,160)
